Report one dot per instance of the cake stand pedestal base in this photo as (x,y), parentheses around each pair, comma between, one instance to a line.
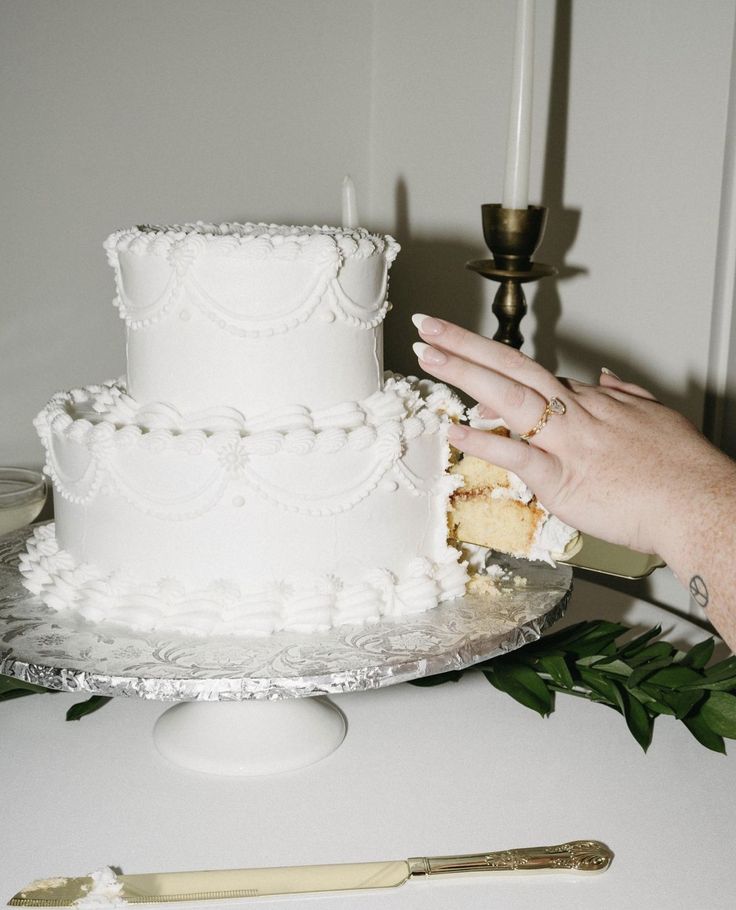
(242,702)
(246,738)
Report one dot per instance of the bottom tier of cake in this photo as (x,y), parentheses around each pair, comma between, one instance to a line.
(214,524)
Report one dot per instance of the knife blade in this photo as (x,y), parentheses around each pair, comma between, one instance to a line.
(582,856)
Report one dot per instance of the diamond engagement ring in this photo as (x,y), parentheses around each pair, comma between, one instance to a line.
(553,406)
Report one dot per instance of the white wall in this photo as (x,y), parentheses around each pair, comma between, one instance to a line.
(627,153)
(121,113)
(125,113)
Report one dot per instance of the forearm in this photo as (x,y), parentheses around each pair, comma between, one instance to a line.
(699,543)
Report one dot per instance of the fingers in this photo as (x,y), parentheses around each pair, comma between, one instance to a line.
(538,469)
(506,360)
(485,412)
(519,405)
(609,380)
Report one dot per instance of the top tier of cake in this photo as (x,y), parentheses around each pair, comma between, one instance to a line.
(251,316)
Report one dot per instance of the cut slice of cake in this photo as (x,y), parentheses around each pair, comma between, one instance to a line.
(495,509)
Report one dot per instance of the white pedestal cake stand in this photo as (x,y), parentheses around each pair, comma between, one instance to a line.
(241,707)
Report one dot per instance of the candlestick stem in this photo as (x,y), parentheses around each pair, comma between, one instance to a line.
(512,235)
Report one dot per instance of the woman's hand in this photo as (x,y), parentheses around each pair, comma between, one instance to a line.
(617,464)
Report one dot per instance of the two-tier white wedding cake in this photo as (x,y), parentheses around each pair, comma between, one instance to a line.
(255,470)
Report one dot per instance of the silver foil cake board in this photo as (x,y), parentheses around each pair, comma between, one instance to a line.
(62,652)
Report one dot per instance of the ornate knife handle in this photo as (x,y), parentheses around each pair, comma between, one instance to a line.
(574,856)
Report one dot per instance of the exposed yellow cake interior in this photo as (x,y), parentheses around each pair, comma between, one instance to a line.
(500,524)
(484,510)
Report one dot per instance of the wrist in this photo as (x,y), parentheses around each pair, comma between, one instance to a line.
(694,524)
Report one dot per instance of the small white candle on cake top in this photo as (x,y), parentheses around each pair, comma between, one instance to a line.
(516,180)
(349,203)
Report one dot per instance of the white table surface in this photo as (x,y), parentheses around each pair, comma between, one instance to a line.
(459,768)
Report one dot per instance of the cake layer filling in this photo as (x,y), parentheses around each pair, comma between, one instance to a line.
(495,509)
(213,309)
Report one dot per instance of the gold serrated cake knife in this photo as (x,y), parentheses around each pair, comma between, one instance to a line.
(580,856)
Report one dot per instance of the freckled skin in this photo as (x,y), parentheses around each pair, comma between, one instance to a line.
(618,464)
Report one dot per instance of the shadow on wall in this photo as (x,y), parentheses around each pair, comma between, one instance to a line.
(431,274)
(428,277)
(562,223)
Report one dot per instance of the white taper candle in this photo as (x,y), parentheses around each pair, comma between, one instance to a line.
(349,203)
(516,180)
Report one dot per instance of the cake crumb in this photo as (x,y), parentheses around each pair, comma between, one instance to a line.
(484,585)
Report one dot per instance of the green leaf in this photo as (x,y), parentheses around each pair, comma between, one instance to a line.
(723,685)
(699,655)
(652,704)
(674,677)
(602,643)
(82,708)
(641,673)
(591,659)
(613,667)
(556,666)
(632,648)
(722,670)
(602,685)
(586,637)
(523,684)
(719,712)
(438,679)
(659,650)
(8,683)
(638,719)
(703,733)
(682,703)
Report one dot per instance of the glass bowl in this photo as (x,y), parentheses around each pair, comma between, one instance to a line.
(22,496)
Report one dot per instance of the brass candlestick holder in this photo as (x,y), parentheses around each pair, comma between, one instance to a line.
(512,235)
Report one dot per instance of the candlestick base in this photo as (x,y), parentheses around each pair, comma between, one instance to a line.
(512,235)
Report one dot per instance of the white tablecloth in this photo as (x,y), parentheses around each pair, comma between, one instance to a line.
(459,768)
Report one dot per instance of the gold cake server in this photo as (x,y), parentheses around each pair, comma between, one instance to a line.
(610,558)
(587,552)
(580,856)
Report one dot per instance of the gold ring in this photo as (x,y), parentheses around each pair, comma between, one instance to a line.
(553,406)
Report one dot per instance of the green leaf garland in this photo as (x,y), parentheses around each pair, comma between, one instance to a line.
(640,679)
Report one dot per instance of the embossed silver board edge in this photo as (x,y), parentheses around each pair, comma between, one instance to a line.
(65,653)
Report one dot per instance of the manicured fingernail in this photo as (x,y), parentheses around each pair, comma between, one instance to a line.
(482,411)
(427,325)
(456,432)
(428,354)
(610,373)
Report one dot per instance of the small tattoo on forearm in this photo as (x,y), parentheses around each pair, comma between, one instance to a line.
(698,591)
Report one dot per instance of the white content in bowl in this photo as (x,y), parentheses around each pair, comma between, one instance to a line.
(22,495)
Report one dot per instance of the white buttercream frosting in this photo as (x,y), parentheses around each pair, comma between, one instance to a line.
(300,603)
(91,435)
(105,892)
(157,266)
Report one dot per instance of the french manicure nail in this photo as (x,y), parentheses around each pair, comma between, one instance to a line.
(456,432)
(428,354)
(427,325)
(610,373)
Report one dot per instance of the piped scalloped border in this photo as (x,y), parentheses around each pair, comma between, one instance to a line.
(235,236)
(180,245)
(305,604)
(229,453)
